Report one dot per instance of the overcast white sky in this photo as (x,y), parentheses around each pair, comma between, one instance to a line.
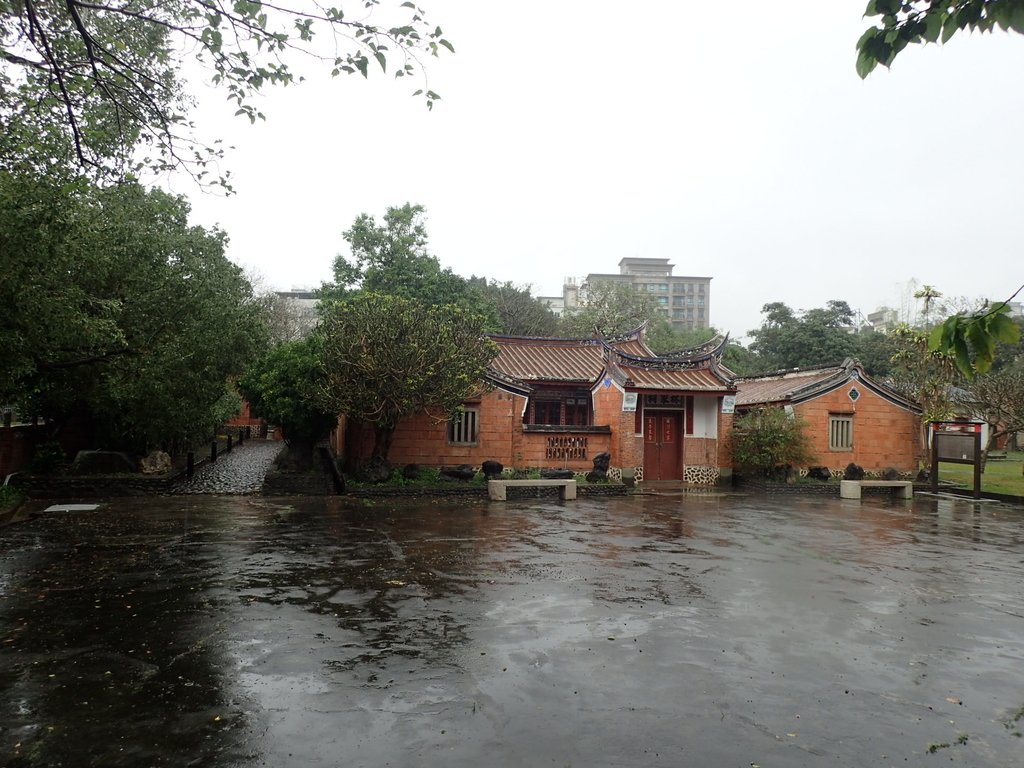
(733,138)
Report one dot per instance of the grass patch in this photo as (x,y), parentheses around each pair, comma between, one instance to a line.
(1003,476)
(428,477)
(431,477)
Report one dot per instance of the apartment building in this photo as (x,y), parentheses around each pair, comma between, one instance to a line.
(684,299)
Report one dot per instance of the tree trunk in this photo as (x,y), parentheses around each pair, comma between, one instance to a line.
(924,454)
(382,437)
(353,445)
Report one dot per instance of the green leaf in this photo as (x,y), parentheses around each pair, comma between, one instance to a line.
(1003,329)
(382,60)
(1016,19)
(939,338)
(865,65)
(932,27)
(949,28)
(983,344)
(962,356)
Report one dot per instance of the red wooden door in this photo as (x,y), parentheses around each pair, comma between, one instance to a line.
(661,446)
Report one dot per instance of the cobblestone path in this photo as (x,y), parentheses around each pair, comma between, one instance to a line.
(239,472)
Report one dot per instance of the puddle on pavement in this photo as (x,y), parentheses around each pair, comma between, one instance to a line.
(702,629)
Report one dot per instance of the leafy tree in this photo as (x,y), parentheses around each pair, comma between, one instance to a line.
(928,294)
(740,360)
(517,311)
(611,308)
(998,398)
(87,82)
(816,337)
(392,258)
(875,351)
(118,313)
(904,22)
(766,440)
(1010,354)
(970,337)
(972,340)
(663,338)
(387,357)
(925,376)
(283,387)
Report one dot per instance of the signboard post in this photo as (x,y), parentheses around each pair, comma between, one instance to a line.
(958,442)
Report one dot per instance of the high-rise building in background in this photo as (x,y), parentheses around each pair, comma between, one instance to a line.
(685,300)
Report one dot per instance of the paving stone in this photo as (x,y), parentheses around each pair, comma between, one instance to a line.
(240,472)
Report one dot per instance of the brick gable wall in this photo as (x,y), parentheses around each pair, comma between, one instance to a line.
(884,434)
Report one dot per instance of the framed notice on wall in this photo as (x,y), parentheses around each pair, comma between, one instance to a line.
(629,401)
(729,404)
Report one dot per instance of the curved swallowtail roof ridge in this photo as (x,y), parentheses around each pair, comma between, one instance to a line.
(715,347)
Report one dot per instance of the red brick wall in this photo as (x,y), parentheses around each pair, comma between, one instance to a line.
(884,435)
(423,440)
(725,422)
(531,451)
(16,446)
(245,419)
(626,446)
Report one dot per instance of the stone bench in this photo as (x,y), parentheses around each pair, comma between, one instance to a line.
(496,489)
(851,489)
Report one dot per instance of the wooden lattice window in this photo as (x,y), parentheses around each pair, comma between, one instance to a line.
(547,412)
(560,408)
(840,432)
(464,427)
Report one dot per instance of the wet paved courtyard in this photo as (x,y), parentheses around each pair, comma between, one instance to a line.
(701,630)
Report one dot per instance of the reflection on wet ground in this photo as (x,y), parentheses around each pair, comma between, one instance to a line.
(712,630)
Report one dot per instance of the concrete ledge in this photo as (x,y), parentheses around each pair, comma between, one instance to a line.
(497,489)
(851,489)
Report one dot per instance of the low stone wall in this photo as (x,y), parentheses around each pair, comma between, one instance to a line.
(95,486)
(828,488)
(784,489)
(456,490)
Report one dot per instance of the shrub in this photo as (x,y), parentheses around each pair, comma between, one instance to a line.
(766,440)
(48,459)
(9,498)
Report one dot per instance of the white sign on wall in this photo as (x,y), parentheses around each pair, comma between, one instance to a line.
(729,404)
(629,401)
